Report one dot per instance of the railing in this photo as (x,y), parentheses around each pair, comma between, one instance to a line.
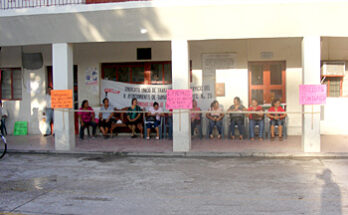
(16,4)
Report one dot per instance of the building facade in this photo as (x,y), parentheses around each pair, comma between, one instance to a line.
(251,49)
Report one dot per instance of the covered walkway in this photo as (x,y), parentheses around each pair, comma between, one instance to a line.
(291,145)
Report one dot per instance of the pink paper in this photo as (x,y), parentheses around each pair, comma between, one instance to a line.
(179,99)
(312,94)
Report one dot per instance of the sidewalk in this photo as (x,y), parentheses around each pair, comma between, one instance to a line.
(331,146)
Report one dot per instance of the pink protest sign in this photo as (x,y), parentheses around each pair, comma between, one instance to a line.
(179,99)
(312,94)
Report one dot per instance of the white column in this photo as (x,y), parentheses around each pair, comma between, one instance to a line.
(64,126)
(311,75)
(181,80)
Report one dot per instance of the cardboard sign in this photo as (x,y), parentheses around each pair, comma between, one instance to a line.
(313,94)
(20,128)
(179,99)
(62,99)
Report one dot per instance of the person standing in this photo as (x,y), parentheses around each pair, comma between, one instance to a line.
(49,113)
(4,115)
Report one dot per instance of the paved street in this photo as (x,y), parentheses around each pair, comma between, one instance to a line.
(62,184)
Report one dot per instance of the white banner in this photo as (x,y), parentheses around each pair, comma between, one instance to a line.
(121,94)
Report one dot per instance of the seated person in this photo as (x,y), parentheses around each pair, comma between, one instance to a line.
(105,117)
(135,119)
(86,119)
(256,119)
(153,119)
(276,119)
(237,118)
(215,117)
(195,119)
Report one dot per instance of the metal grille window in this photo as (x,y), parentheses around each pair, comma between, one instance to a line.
(11,84)
(334,86)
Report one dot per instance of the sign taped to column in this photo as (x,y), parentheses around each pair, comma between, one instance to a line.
(312,94)
(62,99)
(179,99)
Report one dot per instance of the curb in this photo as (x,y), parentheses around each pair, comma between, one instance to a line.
(331,155)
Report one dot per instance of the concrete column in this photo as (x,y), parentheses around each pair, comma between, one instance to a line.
(181,80)
(311,75)
(64,126)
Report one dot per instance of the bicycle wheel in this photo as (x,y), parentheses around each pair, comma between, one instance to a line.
(3,147)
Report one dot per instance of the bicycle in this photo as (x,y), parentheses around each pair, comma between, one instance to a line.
(3,146)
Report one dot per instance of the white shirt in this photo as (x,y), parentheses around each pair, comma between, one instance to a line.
(157,112)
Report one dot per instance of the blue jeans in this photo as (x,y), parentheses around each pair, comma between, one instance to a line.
(252,124)
(279,122)
(169,124)
(49,119)
(240,123)
(218,125)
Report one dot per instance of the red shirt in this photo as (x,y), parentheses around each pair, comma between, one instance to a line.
(272,109)
(255,116)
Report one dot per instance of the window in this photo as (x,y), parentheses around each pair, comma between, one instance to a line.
(334,86)
(138,73)
(11,84)
(267,81)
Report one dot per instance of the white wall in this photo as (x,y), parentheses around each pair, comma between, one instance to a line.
(33,88)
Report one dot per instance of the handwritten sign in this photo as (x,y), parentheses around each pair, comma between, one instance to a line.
(179,99)
(62,99)
(311,94)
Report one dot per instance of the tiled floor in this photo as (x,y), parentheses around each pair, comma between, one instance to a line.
(125,144)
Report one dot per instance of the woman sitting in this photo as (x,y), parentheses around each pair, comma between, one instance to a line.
(276,119)
(196,119)
(215,117)
(237,118)
(256,119)
(87,118)
(135,118)
(105,117)
(153,119)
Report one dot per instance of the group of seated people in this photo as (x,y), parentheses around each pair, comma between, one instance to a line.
(107,121)
(216,115)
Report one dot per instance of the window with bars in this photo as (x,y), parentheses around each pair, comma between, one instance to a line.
(334,86)
(11,84)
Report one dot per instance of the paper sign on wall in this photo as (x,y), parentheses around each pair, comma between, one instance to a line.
(312,94)
(179,99)
(62,99)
